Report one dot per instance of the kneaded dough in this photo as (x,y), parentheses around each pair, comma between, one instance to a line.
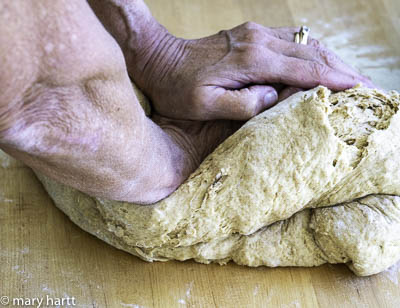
(315,179)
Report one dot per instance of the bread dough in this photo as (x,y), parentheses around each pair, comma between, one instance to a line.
(315,179)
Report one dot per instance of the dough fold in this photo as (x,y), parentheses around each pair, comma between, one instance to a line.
(312,180)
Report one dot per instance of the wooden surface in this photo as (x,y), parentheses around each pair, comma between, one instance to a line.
(43,253)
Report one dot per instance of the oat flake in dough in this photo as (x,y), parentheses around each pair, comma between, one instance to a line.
(315,179)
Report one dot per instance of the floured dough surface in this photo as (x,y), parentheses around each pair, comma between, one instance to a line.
(315,179)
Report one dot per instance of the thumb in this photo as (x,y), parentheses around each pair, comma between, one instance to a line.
(245,103)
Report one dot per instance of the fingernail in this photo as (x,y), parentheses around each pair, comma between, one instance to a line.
(270,97)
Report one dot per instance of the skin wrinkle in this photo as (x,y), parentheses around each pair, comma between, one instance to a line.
(184,142)
(154,58)
(8,117)
(159,62)
(30,111)
(176,58)
(60,118)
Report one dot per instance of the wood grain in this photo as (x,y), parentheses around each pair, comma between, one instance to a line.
(43,253)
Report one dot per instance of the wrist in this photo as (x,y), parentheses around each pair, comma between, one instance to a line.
(152,61)
(184,159)
(163,165)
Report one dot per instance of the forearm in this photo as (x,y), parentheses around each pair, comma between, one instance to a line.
(126,157)
(78,120)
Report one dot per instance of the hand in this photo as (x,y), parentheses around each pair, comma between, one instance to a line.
(197,138)
(234,74)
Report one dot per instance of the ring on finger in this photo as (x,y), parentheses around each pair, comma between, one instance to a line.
(301,37)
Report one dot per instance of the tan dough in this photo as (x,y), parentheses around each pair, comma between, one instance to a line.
(279,192)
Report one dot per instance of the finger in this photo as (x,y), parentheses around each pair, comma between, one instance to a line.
(288,91)
(336,62)
(320,54)
(284,33)
(281,41)
(242,104)
(299,73)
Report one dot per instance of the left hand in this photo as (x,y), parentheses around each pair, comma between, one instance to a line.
(234,74)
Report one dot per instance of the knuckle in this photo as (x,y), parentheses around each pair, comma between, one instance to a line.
(315,43)
(329,57)
(254,36)
(248,25)
(274,44)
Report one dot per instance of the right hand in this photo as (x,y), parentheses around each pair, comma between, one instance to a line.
(199,138)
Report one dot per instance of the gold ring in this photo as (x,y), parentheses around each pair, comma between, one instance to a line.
(301,37)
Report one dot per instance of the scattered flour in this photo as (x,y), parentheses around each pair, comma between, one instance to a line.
(255,292)
(45,288)
(189,289)
(24,251)
(393,273)
(131,305)
(5,200)
(22,273)
(294,304)
(181,301)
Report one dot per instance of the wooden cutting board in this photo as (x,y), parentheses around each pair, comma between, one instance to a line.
(43,254)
